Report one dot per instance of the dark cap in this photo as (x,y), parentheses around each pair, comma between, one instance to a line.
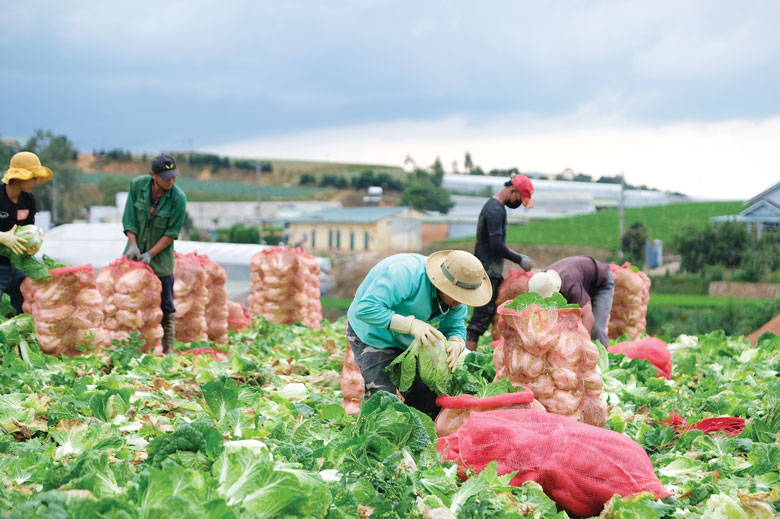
(164,166)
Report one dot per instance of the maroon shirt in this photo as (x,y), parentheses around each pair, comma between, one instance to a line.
(580,277)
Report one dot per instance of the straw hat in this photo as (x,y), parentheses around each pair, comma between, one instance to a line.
(545,283)
(26,165)
(460,275)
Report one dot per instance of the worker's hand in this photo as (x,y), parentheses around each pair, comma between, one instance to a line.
(12,241)
(133,252)
(145,258)
(526,263)
(455,347)
(424,332)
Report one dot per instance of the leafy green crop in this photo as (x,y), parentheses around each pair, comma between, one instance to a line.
(523,301)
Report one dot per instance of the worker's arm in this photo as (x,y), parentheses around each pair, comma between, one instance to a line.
(499,248)
(161,244)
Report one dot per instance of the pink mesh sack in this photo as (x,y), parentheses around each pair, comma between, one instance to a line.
(550,352)
(455,410)
(514,284)
(216,300)
(629,304)
(285,286)
(650,348)
(68,311)
(190,296)
(131,301)
(352,384)
(579,466)
(237,317)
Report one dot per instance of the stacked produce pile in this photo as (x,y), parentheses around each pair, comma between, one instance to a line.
(190,295)
(68,310)
(216,305)
(131,301)
(237,317)
(285,286)
(629,304)
(514,284)
(352,384)
(550,352)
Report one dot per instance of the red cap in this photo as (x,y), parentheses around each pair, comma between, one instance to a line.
(526,188)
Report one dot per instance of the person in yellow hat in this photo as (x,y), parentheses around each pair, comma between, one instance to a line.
(406,297)
(17,207)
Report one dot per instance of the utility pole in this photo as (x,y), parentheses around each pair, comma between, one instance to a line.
(258,178)
(621,210)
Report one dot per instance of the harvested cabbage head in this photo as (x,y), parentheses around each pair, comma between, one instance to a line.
(34,236)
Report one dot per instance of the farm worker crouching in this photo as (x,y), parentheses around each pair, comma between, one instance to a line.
(17,207)
(490,247)
(406,297)
(584,281)
(154,213)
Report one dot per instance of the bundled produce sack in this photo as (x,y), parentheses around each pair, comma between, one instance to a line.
(579,466)
(352,384)
(515,283)
(455,410)
(650,348)
(131,301)
(216,300)
(237,317)
(285,286)
(190,296)
(629,304)
(547,349)
(68,311)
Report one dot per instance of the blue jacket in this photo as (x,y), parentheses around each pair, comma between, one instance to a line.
(399,285)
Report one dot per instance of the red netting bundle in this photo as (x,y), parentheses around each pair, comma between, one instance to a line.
(550,353)
(216,300)
(730,425)
(237,316)
(68,310)
(285,286)
(352,384)
(629,304)
(514,284)
(131,301)
(650,348)
(190,296)
(455,410)
(579,466)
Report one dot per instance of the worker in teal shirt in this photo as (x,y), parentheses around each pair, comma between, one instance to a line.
(407,297)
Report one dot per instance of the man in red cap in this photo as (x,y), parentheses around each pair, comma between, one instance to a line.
(491,247)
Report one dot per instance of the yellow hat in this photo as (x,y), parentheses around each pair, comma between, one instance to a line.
(26,165)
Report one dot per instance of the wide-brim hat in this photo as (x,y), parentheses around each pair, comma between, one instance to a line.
(545,283)
(26,165)
(460,275)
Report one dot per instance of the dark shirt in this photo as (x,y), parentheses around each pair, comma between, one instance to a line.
(492,220)
(581,276)
(20,213)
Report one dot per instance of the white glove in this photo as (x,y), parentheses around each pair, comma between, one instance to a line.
(133,252)
(526,263)
(455,347)
(424,332)
(12,241)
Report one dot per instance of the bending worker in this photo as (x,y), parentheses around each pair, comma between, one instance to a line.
(406,297)
(17,207)
(491,248)
(584,281)
(154,213)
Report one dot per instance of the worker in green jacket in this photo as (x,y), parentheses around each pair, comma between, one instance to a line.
(406,297)
(154,213)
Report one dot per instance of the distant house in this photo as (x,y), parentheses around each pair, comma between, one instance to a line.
(358,229)
(761,214)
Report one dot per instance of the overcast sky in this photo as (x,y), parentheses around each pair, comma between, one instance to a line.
(682,96)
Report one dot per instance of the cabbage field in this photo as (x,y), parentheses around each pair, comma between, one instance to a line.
(255,429)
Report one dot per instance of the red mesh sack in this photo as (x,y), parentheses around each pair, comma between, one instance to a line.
(352,384)
(514,284)
(190,296)
(629,304)
(131,301)
(216,300)
(579,466)
(237,317)
(650,348)
(285,286)
(455,410)
(731,425)
(68,310)
(550,353)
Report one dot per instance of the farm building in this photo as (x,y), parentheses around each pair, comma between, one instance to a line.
(761,214)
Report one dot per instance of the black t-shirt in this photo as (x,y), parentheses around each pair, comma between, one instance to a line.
(20,213)
(492,220)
